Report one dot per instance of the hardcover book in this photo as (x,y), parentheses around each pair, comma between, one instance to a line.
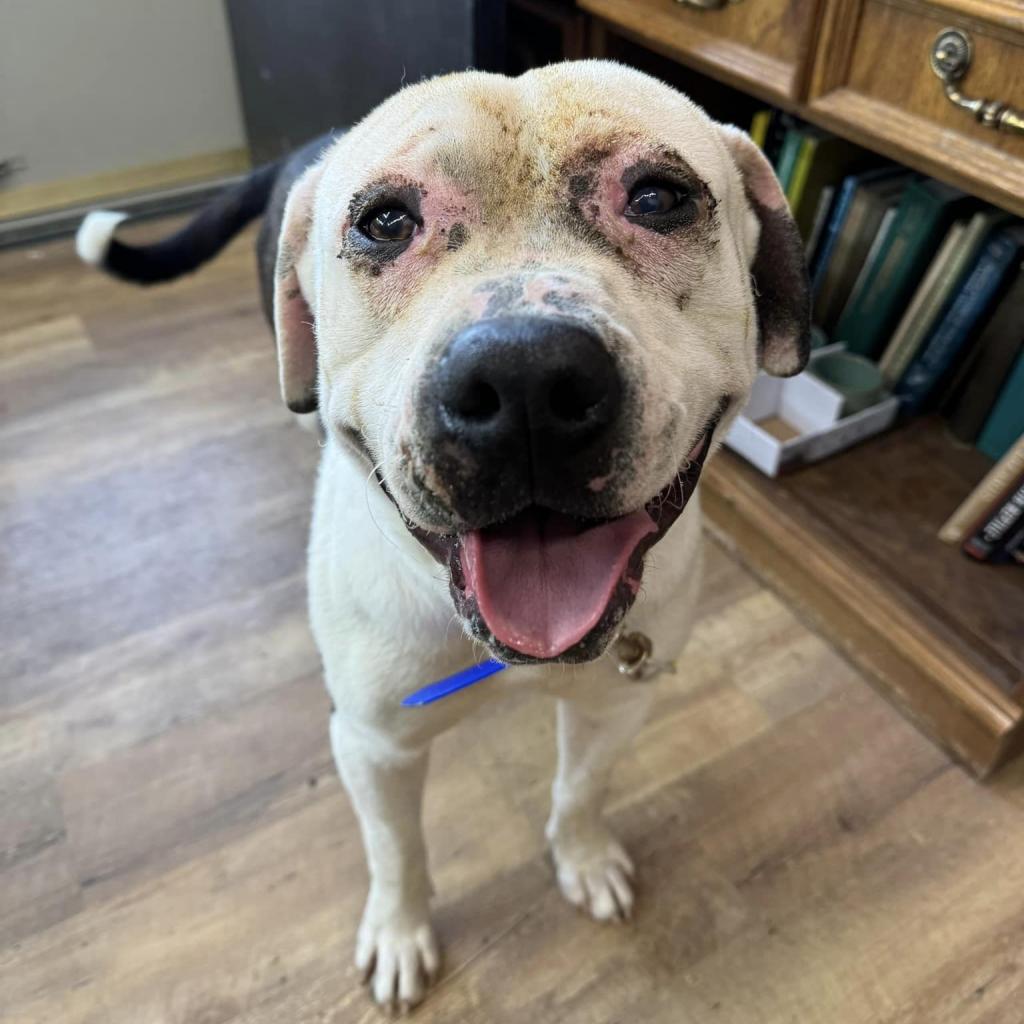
(936,292)
(1000,530)
(867,210)
(1005,424)
(993,355)
(926,210)
(956,326)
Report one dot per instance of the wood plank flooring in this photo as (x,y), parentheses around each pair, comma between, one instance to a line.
(175,847)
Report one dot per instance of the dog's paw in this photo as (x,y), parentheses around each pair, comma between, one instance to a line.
(398,958)
(596,875)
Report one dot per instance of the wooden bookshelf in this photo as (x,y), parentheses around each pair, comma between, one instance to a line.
(852,542)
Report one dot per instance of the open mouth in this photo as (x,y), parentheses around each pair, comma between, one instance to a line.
(543,585)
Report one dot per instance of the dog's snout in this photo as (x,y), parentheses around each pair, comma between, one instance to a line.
(538,384)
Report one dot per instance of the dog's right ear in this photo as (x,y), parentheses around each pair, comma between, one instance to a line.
(294,325)
(782,290)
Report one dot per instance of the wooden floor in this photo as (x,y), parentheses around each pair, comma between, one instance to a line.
(176,849)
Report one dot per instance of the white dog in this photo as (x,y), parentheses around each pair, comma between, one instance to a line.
(526,310)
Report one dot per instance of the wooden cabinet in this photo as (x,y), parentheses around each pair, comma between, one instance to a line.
(861,68)
(873,81)
(762,46)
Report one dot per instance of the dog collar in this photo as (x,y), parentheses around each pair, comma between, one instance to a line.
(631,650)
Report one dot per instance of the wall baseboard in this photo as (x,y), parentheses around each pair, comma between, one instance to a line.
(42,227)
(30,200)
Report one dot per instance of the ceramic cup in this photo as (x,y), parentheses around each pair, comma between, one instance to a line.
(857,379)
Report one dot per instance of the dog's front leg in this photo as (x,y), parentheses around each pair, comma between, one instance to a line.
(396,946)
(594,871)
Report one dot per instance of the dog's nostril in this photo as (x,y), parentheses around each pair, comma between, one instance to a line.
(572,397)
(477,400)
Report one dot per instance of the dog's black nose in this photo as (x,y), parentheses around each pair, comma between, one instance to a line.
(520,410)
(520,384)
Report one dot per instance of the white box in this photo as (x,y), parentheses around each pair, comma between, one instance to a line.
(809,406)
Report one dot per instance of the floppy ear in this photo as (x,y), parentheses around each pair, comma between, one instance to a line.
(293,317)
(781,287)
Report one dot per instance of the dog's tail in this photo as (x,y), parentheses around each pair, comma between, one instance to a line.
(198,241)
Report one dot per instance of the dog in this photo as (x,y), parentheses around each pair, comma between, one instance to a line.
(526,311)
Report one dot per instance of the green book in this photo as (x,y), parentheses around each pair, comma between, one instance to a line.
(759,127)
(986,370)
(788,156)
(1006,421)
(823,161)
(867,211)
(957,253)
(925,211)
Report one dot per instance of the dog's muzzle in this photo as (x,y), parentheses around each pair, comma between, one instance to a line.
(523,410)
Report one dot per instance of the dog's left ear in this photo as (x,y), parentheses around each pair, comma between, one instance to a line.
(781,287)
(293,316)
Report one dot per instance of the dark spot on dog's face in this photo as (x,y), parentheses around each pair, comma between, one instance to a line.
(582,186)
(506,295)
(457,237)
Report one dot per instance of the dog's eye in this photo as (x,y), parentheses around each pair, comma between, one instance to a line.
(654,199)
(388,224)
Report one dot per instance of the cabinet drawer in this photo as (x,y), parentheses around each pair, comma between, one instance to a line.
(874,79)
(763,46)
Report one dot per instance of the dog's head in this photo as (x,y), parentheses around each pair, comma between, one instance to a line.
(533,305)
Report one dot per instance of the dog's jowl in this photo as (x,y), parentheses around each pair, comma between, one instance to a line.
(526,311)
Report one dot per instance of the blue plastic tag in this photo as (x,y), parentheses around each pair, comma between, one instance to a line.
(454,683)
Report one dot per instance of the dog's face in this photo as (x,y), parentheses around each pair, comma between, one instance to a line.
(537,303)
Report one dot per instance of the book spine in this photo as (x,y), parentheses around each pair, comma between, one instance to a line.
(918,319)
(759,127)
(820,220)
(994,483)
(832,230)
(787,158)
(1005,423)
(952,333)
(866,321)
(989,541)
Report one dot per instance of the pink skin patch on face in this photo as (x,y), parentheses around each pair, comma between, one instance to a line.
(669,259)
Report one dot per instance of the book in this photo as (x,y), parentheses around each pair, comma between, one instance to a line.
(918,320)
(925,211)
(1005,423)
(778,124)
(993,356)
(825,200)
(837,220)
(822,161)
(787,158)
(984,495)
(1001,528)
(957,324)
(934,289)
(867,210)
(759,127)
(876,246)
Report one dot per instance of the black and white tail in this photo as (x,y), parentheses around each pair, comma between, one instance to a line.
(198,241)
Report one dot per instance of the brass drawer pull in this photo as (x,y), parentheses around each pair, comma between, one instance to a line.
(951,57)
(707,5)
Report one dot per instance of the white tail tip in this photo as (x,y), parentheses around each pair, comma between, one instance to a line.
(94,234)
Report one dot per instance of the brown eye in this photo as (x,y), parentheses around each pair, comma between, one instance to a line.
(388,224)
(654,199)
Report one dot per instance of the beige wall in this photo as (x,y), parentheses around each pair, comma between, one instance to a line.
(92,86)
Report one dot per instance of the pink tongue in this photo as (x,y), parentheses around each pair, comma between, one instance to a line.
(540,585)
